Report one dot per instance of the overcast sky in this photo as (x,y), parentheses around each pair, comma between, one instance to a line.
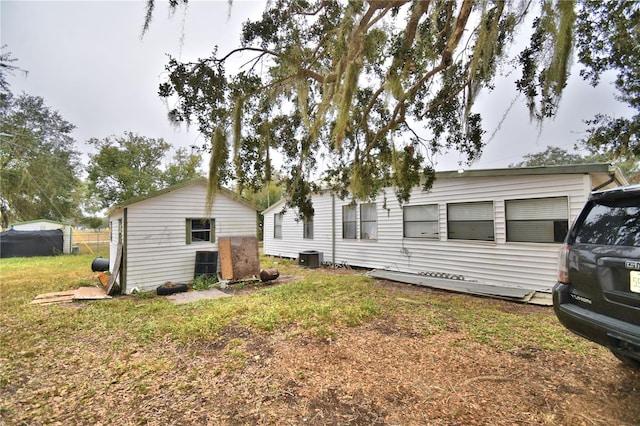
(87,60)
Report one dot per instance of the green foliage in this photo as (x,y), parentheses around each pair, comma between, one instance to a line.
(203,282)
(609,40)
(131,165)
(340,85)
(551,156)
(39,164)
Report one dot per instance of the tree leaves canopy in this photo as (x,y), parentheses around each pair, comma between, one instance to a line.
(366,91)
(610,40)
(39,164)
(131,165)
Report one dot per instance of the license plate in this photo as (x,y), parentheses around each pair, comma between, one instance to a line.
(634,281)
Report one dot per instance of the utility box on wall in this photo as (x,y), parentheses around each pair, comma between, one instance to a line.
(310,259)
(206,264)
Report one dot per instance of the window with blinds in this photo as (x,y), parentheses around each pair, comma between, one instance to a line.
(420,221)
(540,220)
(368,221)
(349,222)
(470,221)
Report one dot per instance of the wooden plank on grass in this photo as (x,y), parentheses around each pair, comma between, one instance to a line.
(55,294)
(52,300)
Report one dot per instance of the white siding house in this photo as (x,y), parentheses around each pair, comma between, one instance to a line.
(161,234)
(48,225)
(502,227)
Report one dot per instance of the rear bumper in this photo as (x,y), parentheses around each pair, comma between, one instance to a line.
(606,331)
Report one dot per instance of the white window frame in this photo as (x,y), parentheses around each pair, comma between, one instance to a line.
(352,234)
(537,220)
(277,226)
(307,228)
(417,219)
(471,221)
(368,221)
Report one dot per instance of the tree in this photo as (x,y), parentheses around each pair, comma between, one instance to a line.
(6,67)
(552,156)
(611,41)
(39,164)
(348,81)
(132,165)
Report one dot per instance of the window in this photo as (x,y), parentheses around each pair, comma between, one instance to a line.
(470,221)
(614,223)
(307,228)
(420,221)
(277,225)
(201,230)
(349,222)
(543,220)
(368,221)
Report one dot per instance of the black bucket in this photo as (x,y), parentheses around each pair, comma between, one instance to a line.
(100,264)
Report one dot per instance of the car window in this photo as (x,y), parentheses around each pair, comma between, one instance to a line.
(616,224)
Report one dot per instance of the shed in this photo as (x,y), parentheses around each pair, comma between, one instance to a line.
(162,234)
(497,227)
(48,225)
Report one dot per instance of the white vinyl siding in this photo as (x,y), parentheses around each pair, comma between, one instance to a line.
(542,220)
(349,222)
(421,221)
(470,221)
(368,221)
(498,262)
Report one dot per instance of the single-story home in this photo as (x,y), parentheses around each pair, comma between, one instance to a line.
(160,236)
(48,225)
(500,227)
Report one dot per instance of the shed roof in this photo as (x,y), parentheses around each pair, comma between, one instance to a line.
(197,181)
(36,221)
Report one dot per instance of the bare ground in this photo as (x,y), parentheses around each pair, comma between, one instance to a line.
(385,372)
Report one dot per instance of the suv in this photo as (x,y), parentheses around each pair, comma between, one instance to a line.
(598,291)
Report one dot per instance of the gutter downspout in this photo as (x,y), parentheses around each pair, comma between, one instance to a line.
(613,177)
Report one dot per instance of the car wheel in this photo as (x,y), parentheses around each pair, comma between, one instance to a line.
(631,362)
(171,288)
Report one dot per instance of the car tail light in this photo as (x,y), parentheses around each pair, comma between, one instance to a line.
(563,264)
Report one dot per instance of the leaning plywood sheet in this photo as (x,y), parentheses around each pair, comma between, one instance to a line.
(461,286)
(239,258)
(116,270)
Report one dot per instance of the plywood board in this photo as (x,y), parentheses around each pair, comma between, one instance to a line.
(48,299)
(239,257)
(91,293)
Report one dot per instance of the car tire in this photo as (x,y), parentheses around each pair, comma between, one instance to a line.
(630,362)
(171,288)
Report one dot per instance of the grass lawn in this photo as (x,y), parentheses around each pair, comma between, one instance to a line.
(316,347)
